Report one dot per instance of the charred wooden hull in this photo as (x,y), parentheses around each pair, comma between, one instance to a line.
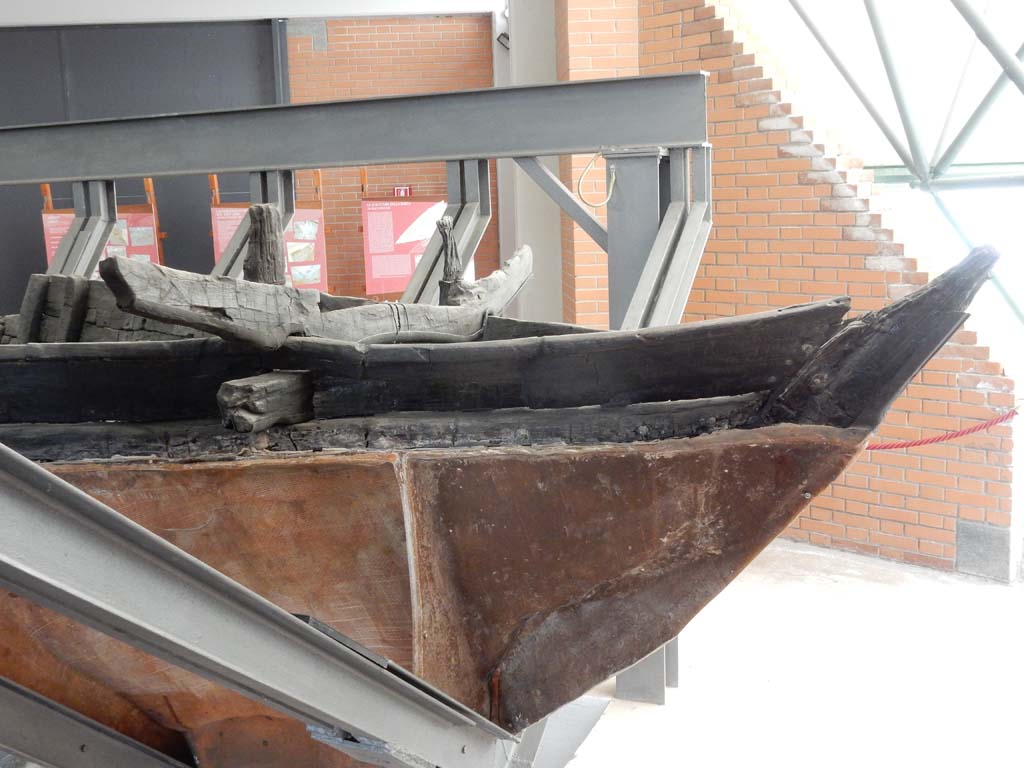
(513,520)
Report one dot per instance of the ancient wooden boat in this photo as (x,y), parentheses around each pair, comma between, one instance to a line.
(513,511)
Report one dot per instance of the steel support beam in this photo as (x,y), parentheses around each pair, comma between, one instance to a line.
(973,182)
(68,552)
(566,200)
(282,86)
(920,166)
(950,155)
(663,288)
(638,202)
(469,205)
(1011,66)
(560,119)
(672,663)
(872,110)
(416,290)
(48,734)
(644,681)
(80,201)
(81,248)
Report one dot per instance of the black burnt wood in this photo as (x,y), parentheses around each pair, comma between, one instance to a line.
(512,427)
(852,380)
(712,358)
(166,380)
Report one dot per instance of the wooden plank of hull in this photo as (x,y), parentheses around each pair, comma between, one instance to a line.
(707,359)
(104,381)
(554,567)
(160,381)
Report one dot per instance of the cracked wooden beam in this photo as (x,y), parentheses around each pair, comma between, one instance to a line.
(256,403)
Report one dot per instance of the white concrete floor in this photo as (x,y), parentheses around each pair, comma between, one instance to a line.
(825,659)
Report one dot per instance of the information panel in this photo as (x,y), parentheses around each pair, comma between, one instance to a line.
(395,234)
(304,239)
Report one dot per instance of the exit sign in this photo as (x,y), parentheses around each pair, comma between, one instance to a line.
(405,191)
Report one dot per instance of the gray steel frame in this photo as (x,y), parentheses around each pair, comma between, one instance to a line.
(82,246)
(464,129)
(883,125)
(46,733)
(949,156)
(920,166)
(665,278)
(469,206)
(913,161)
(1011,66)
(64,550)
(557,191)
(561,119)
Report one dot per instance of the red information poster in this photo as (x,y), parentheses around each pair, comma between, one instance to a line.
(395,234)
(304,239)
(133,236)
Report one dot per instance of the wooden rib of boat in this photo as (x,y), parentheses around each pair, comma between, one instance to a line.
(513,518)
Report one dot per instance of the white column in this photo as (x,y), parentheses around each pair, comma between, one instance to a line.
(536,221)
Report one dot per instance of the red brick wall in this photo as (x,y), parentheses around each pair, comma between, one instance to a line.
(387,57)
(790,228)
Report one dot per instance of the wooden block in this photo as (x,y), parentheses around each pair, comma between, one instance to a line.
(259,402)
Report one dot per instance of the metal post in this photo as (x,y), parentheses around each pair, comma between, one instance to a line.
(920,164)
(880,121)
(652,279)
(949,156)
(1013,68)
(644,681)
(48,734)
(670,302)
(672,663)
(98,202)
(80,199)
(634,217)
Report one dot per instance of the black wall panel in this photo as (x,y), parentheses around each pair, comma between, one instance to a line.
(82,73)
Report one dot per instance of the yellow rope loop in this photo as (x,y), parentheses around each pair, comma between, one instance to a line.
(579,184)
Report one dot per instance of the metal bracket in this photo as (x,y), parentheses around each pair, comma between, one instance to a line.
(81,248)
(567,201)
(277,187)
